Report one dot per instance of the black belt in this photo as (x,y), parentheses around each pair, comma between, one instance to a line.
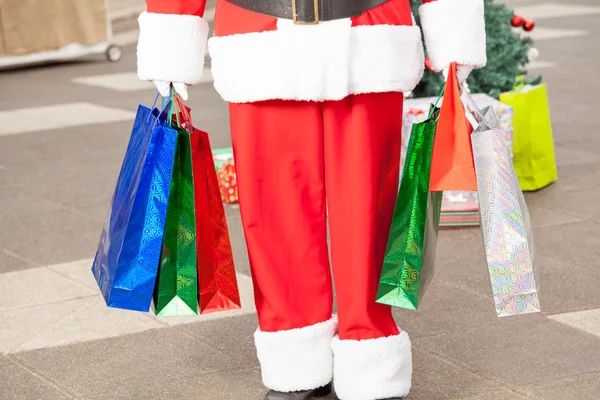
(308,12)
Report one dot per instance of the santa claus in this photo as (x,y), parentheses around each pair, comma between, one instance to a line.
(315,89)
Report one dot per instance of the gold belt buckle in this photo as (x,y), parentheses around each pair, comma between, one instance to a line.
(295,14)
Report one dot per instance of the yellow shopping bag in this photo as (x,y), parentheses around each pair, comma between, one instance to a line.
(533,146)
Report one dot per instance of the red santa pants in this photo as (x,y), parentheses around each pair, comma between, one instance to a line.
(296,162)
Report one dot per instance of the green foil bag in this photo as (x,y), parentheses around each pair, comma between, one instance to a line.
(410,254)
(176,290)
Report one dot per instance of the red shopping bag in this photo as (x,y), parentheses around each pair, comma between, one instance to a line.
(452,165)
(217,282)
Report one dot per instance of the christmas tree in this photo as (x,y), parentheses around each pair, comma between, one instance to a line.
(507,54)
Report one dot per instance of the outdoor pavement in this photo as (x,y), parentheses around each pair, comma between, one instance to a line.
(63,132)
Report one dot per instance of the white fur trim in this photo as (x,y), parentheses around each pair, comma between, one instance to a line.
(320,62)
(297,359)
(171,47)
(372,369)
(454,31)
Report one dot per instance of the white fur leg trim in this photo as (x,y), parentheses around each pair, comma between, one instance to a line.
(297,359)
(372,369)
(171,47)
(321,62)
(454,31)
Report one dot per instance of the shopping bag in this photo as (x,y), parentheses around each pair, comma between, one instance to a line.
(505,222)
(176,292)
(410,253)
(533,145)
(452,165)
(128,254)
(217,281)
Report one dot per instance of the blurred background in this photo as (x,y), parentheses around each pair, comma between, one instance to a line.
(68,96)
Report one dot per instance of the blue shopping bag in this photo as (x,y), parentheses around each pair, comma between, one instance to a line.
(128,254)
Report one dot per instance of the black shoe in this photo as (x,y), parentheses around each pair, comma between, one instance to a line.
(303,395)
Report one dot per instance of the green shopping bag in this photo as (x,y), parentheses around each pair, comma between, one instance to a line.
(410,254)
(176,290)
(533,146)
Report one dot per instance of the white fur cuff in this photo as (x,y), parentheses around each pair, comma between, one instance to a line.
(297,359)
(372,369)
(454,31)
(171,47)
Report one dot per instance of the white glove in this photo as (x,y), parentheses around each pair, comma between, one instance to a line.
(164,88)
(462,72)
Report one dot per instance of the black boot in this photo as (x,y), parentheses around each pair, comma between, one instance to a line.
(303,395)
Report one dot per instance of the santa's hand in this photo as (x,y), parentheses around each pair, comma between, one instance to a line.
(164,88)
(462,73)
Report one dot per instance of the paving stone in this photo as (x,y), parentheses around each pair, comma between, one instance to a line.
(51,238)
(587,320)
(577,243)
(24,324)
(435,378)
(524,350)
(446,309)
(232,336)
(16,203)
(505,395)
(91,320)
(11,262)
(153,363)
(20,384)
(28,288)
(583,387)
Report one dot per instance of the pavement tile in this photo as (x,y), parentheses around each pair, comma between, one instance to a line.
(586,320)
(227,385)
(505,395)
(12,262)
(446,309)
(91,320)
(583,387)
(461,262)
(544,217)
(16,203)
(65,182)
(435,378)
(28,288)
(577,243)
(20,384)
(234,337)
(78,271)
(52,237)
(58,116)
(154,363)
(24,324)
(523,351)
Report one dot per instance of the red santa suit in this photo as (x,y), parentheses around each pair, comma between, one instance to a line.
(316,116)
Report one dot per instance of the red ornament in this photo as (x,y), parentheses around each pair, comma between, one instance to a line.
(428,64)
(528,25)
(228,182)
(517,21)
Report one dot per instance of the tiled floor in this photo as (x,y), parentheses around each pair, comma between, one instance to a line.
(63,130)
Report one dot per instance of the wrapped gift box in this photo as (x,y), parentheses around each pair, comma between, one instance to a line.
(225,167)
(458,208)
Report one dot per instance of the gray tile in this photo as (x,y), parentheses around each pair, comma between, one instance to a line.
(232,336)
(446,309)
(51,238)
(543,217)
(16,203)
(12,262)
(566,287)
(238,242)
(582,203)
(504,395)
(587,320)
(65,182)
(522,351)
(140,366)
(577,243)
(20,384)
(435,378)
(583,387)
(227,385)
